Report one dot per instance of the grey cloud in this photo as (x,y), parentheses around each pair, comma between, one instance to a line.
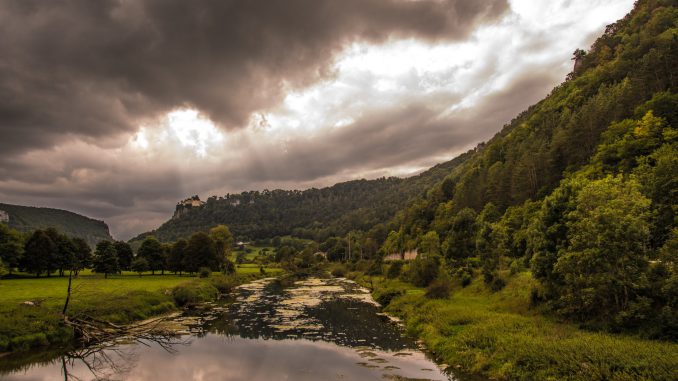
(95,69)
(409,134)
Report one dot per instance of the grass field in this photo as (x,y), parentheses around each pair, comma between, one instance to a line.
(254,252)
(500,336)
(248,268)
(120,299)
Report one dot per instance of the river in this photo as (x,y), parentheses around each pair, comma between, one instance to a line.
(312,329)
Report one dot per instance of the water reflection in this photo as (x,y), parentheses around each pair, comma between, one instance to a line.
(334,310)
(314,330)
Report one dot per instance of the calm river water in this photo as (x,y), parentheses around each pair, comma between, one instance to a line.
(314,329)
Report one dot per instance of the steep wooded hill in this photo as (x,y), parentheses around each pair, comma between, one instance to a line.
(312,213)
(28,218)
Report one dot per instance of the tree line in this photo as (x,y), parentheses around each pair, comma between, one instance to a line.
(47,252)
(315,214)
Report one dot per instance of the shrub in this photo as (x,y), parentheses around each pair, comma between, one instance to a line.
(228,268)
(223,283)
(204,272)
(394,270)
(535,297)
(515,267)
(423,271)
(339,271)
(195,292)
(466,279)
(139,265)
(439,289)
(385,296)
(374,268)
(497,284)
(464,275)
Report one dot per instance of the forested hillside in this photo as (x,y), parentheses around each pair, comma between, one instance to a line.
(313,213)
(580,189)
(27,219)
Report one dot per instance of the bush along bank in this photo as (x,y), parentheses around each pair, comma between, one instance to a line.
(499,335)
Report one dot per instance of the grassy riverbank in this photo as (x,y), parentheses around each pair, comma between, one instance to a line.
(119,299)
(500,336)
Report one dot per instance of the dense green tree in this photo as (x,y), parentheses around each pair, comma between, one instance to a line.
(66,255)
(139,265)
(106,259)
(284,254)
(223,240)
(430,245)
(83,255)
(423,271)
(604,266)
(11,247)
(38,255)
(175,261)
(201,252)
(394,243)
(658,173)
(547,233)
(125,254)
(151,250)
(461,239)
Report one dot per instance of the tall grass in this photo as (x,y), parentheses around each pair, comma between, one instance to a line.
(500,336)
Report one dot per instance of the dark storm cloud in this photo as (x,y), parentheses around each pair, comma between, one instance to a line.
(94,69)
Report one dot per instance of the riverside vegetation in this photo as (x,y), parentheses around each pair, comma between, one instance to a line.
(504,335)
(120,299)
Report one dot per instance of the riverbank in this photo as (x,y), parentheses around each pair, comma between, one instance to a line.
(499,335)
(300,328)
(30,309)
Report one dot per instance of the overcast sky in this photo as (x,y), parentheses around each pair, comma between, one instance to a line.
(117,109)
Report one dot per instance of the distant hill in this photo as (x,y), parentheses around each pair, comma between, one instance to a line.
(28,218)
(312,213)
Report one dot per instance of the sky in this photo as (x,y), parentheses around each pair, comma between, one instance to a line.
(117,109)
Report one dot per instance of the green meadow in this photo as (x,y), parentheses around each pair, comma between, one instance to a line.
(119,298)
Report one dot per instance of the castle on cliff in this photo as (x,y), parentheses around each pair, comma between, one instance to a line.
(185,205)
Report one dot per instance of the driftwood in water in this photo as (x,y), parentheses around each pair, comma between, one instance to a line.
(93,331)
(107,360)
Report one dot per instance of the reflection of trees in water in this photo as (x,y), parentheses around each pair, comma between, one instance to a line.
(111,361)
